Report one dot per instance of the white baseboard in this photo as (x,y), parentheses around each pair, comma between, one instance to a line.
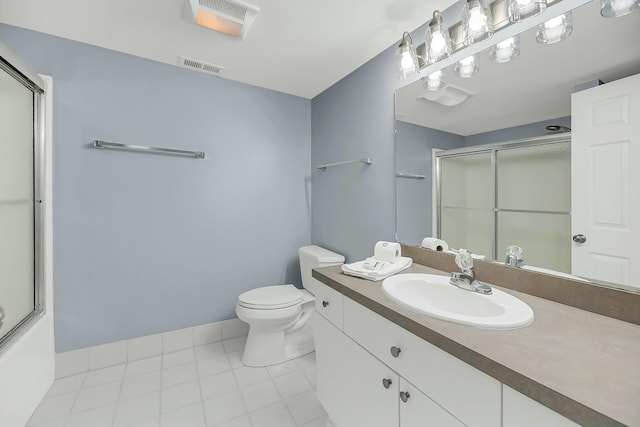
(115,353)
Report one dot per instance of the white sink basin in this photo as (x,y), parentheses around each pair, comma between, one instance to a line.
(434,296)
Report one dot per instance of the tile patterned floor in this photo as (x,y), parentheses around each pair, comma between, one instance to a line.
(204,386)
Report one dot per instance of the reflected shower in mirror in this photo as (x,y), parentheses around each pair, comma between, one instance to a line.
(528,97)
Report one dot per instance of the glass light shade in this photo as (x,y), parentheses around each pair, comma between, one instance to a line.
(477,21)
(522,9)
(437,39)
(555,30)
(466,67)
(407,58)
(434,81)
(506,50)
(615,8)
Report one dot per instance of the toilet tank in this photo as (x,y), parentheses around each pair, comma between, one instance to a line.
(314,256)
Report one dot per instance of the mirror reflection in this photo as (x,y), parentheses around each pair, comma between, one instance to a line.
(526,100)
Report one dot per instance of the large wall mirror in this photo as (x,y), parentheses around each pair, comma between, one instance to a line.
(524,102)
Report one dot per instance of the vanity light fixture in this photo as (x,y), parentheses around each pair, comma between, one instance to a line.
(466,67)
(616,8)
(434,81)
(506,50)
(523,9)
(407,58)
(437,39)
(477,21)
(555,29)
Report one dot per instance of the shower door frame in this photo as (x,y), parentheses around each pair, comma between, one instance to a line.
(14,67)
(492,149)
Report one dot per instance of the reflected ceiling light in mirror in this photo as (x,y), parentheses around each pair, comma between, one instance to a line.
(477,21)
(523,9)
(555,29)
(407,58)
(506,50)
(437,39)
(615,8)
(467,67)
(434,81)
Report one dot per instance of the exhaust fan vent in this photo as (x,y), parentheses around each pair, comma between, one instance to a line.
(194,64)
(232,17)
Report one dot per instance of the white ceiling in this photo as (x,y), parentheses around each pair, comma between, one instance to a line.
(537,85)
(299,47)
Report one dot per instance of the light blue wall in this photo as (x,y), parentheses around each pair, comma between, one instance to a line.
(354,205)
(149,243)
(414,146)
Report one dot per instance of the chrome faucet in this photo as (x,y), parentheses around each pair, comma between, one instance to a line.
(514,257)
(467,280)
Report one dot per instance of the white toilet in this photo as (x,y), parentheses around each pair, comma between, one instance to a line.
(278,316)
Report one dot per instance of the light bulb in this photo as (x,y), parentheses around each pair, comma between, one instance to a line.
(466,67)
(477,21)
(437,39)
(437,43)
(555,29)
(506,50)
(434,80)
(615,8)
(407,58)
(522,9)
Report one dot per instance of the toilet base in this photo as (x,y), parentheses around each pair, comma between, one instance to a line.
(270,348)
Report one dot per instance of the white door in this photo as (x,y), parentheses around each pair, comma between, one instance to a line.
(605,179)
(354,387)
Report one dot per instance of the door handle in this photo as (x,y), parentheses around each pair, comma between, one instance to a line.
(386,382)
(579,238)
(404,396)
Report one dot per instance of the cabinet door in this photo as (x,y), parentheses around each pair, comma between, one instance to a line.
(417,410)
(350,381)
(520,411)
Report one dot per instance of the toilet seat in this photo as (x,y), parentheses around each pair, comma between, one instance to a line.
(271,297)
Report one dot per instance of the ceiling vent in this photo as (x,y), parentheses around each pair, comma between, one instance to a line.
(194,64)
(449,96)
(230,17)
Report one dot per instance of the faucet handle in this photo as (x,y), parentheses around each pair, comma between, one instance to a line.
(515,251)
(464,260)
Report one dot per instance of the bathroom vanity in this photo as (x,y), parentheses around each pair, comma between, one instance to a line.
(380,364)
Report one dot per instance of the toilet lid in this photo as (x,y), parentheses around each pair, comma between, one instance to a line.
(271,297)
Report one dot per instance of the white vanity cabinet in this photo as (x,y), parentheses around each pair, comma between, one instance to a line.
(470,395)
(359,388)
(520,411)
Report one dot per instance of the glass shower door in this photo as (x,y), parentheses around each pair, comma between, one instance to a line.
(17,219)
(466,202)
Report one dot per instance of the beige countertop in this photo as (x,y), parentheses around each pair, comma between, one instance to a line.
(582,365)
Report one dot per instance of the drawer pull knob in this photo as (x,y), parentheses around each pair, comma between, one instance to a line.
(404,396)
(395,351)
(325,303)
(386,382)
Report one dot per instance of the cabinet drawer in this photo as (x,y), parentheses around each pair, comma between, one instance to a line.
(329,304)
(471,395)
